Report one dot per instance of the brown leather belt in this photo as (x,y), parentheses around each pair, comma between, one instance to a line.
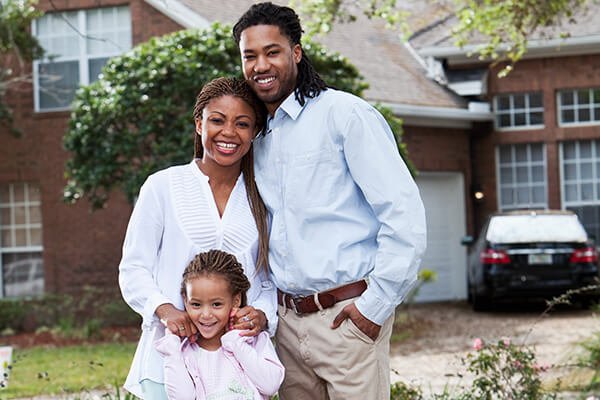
(319,301)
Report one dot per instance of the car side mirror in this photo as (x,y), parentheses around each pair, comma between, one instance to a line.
(467,240)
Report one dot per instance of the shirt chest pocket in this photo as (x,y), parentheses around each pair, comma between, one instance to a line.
(312,178)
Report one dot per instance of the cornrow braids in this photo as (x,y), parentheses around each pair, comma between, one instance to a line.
(217,262)
(308,83)
(239,88)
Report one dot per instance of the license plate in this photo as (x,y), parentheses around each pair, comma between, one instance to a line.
(539,259)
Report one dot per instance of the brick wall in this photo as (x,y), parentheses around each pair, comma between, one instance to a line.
(80,247)
(442,149)
(547,75)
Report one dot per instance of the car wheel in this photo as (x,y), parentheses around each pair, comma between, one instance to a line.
(588,302)
(480,303)
(469,292)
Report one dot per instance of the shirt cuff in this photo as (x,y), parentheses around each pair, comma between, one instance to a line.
(373,308)
(270,313)
(154,300)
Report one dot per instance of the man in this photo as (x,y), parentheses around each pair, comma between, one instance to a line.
(348,225)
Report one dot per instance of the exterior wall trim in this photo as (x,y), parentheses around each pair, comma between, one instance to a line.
(438,116)
(179,13)
(582,45)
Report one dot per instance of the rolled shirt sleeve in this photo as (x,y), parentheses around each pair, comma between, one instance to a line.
(385,181)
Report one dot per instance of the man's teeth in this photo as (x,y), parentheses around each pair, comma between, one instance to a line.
(227,145)
(265,80)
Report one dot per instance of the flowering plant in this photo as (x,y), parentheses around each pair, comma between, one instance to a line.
(504,370)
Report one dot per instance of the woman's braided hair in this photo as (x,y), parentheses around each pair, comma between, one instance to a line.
(308,83)
(239,88)
(217,262)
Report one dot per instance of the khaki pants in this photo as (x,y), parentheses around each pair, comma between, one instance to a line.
(332,364)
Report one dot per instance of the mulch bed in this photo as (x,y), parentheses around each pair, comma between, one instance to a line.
(120,334)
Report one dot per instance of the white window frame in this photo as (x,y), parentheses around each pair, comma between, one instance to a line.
(595,119)
(595,158)
(26,203)
(529,164)
(82,58)
(511,111)
(595,176)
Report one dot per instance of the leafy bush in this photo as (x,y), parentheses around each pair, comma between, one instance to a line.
(401,391)
(504,370)
(81,315)
(591,359)
(12,314)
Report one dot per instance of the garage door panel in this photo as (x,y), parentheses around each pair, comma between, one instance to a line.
(443,198)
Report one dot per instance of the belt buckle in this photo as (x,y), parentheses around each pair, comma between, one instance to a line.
(293,301)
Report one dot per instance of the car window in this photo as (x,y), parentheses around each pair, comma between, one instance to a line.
(535,228)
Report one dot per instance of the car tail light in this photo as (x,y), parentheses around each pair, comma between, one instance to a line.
(584,255)
(491,256)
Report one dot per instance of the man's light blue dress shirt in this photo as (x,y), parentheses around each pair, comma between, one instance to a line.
(343,204)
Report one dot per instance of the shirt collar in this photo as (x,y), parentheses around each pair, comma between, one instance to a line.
(291,106)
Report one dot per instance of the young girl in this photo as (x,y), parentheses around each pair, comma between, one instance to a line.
(222,364)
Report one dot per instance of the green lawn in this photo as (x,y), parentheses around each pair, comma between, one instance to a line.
(73,369)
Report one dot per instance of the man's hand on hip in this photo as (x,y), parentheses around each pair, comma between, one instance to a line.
(368,327)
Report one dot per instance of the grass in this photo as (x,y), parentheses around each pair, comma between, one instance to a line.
(71,369)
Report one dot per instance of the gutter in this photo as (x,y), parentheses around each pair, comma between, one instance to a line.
(539,48)
(442,116)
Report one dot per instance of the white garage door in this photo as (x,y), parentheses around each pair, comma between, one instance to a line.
(443,197)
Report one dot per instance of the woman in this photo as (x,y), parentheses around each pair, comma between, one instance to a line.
(210,203)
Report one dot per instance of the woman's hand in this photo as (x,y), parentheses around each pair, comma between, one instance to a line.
(250,320)
(177,321)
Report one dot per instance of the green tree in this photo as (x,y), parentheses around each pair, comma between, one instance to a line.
(501,26)
(17,48)
(137,117)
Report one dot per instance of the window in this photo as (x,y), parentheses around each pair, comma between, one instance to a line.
(521,171)
(579,106)
(580,182)
(77,44)
(20,240)
(519,111)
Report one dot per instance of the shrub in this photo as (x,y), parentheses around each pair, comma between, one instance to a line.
(591,359)
(82,315)
(12,314)
(504,370)
(402,391)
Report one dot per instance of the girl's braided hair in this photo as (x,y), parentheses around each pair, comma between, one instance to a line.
(217,262)
(239,88)
(308,83)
